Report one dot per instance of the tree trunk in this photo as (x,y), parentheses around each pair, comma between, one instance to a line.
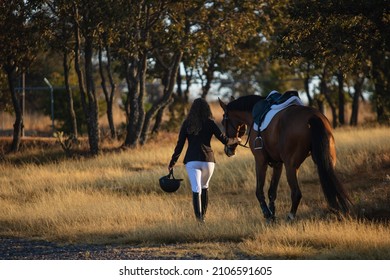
(382,87)
(324,90)
(87,87)
(306,85)
(72,114)
(112,93)
(168,90)
(358,86)
(178,82)
(340,80)
(189,75)
(320,104)
(10,70)
(132,112)
(142,67)
(109,96)
(158,121)
(92,113)
(209,77)
(77,66)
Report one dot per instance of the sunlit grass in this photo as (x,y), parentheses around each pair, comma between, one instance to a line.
(115,198)
(321,239)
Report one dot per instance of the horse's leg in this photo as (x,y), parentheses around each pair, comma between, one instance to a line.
(272,192)
(296,194)
(261,169)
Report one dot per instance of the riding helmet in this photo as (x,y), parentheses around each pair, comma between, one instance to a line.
(169,183)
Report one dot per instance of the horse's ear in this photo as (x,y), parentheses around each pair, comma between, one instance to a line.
(232,98)
(223,105)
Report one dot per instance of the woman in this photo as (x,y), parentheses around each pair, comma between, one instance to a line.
(198,128)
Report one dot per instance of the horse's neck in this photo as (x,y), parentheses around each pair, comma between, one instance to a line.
(247,118)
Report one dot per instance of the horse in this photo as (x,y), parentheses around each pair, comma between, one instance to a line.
(293,134)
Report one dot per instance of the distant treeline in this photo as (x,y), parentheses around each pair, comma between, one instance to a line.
(246,47)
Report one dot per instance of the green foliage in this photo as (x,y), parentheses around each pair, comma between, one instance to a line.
(5,97)
(342,33)
(21,29)
(258,45)
(333,36)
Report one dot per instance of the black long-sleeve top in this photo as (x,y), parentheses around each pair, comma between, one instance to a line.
(199,148)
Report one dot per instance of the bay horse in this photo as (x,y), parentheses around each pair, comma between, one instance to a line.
(293,134)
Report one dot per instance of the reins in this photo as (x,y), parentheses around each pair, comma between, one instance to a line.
(236,129)
(247,138)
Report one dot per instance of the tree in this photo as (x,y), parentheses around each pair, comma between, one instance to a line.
(168,49)
(358,83)
(106,69)
(107,34)
(344,34)
(21,31)
(135,19)
(85,32)
(155,31)
(5,97)
(221,40)
(61,38)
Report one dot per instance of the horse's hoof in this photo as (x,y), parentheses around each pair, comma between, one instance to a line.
(290,217)
(270,220)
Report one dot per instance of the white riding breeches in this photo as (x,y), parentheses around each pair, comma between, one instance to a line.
(199,173)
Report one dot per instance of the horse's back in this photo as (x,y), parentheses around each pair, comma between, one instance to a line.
(300,116)
(289,136)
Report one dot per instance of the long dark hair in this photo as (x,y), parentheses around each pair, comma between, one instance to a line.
(200,111)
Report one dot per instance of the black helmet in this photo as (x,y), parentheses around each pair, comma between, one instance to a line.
(168,183)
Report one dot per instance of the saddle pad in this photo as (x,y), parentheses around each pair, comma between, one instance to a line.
(276,108)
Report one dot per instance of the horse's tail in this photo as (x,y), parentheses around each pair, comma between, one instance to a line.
(321,150)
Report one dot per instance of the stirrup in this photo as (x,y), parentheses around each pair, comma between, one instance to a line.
(259,144)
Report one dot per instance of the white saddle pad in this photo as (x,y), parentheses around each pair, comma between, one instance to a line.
(276,109)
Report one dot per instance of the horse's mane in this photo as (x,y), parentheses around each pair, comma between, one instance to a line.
(244,103)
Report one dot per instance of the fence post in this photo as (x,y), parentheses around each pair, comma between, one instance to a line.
(51,103)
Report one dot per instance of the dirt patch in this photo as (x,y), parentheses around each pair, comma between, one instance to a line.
(23,249)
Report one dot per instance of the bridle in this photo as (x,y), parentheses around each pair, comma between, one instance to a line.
(237,129)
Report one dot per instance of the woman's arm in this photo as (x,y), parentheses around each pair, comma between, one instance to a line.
(179,146)
(222,137)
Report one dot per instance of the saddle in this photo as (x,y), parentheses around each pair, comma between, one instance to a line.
(262,107)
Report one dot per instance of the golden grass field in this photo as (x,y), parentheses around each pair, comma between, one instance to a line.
(115,199)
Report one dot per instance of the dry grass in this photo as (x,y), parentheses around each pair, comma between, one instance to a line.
(115,198)
(321,239)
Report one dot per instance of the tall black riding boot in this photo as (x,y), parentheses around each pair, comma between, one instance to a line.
(205,202)
(197,205)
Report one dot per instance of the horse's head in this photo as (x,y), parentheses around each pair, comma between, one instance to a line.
(233,128)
